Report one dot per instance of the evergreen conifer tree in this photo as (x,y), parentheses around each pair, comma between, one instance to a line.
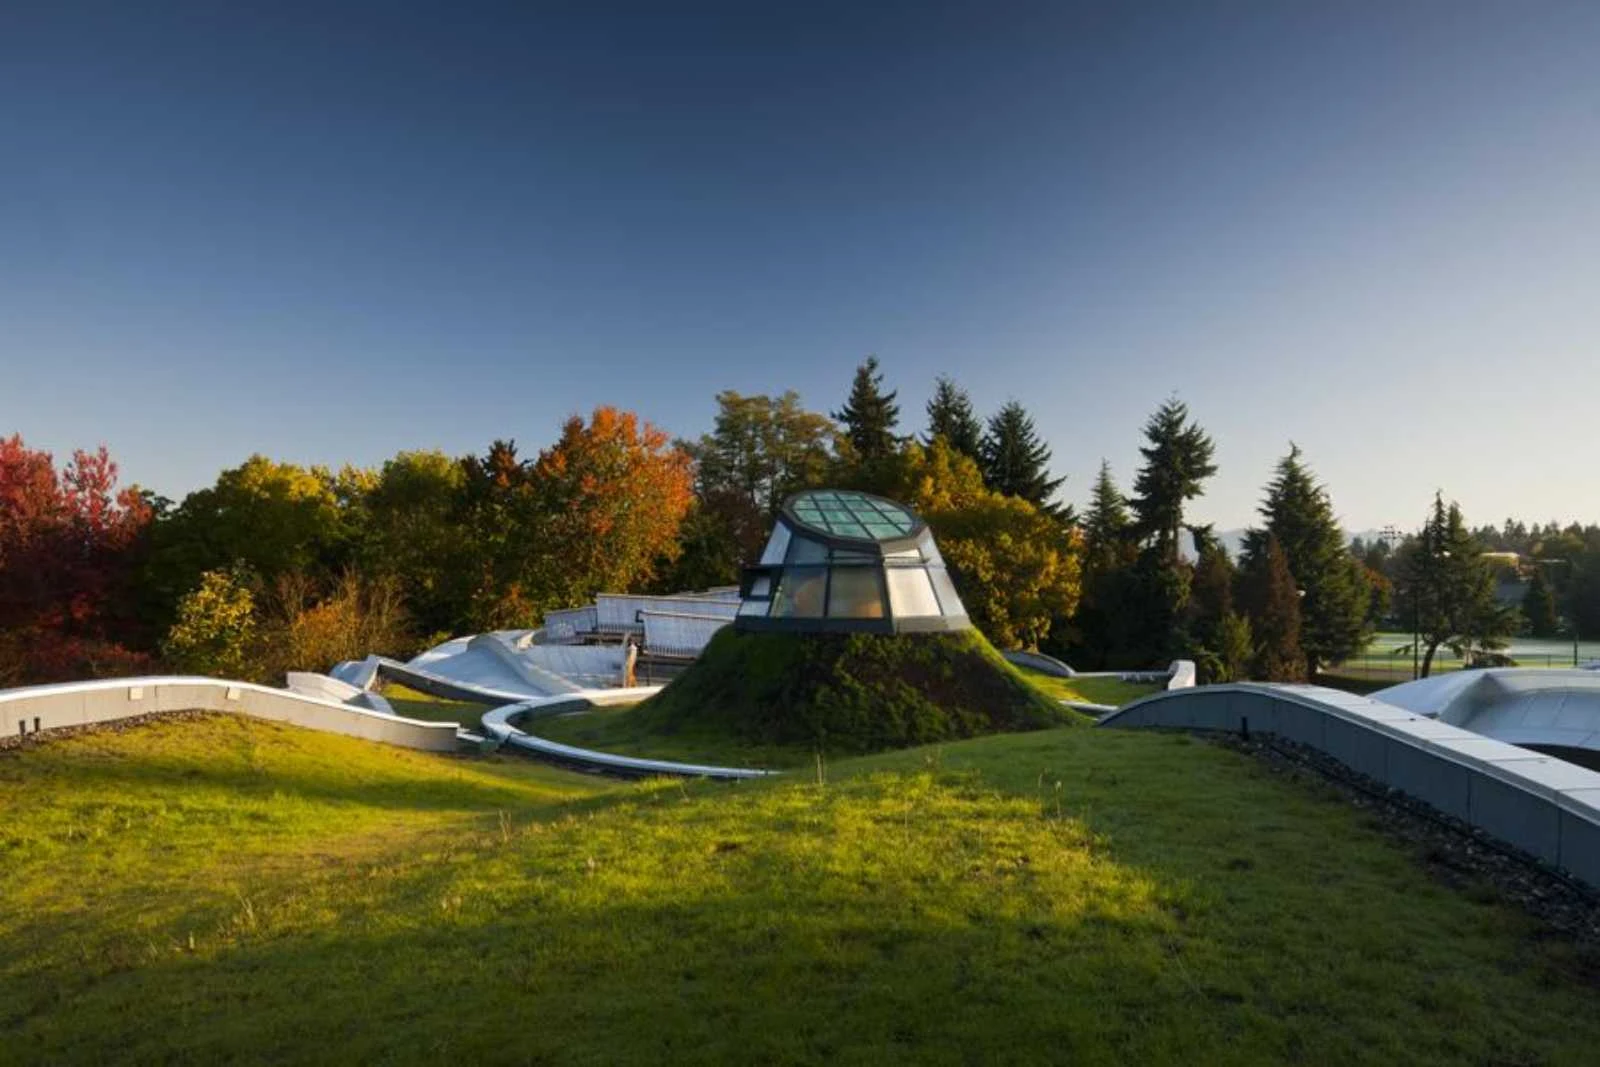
(1449,589)
(950,416)
(1210,604)
(1177,463)
(1015,461)
(1108,610)
(1333,612)
(870,415)
(1539,605)
(1274,605)
(1106,616)
(1106,523)
(1235,647)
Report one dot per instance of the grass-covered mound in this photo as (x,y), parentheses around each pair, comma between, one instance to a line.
(230,891)
(844,693)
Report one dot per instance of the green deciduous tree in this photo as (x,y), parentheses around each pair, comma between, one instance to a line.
(215,631)
(1015,461)
(269,517)
(416,519)
(1333,609)
(950,416)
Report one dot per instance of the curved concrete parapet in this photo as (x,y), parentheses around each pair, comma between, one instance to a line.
(47,707)
(1557,709)
(1040,662)
(1544,806)
(497,724)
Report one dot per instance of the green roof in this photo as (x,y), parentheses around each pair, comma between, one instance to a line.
(847,513)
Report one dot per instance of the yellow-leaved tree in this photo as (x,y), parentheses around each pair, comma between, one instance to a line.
(1017,569)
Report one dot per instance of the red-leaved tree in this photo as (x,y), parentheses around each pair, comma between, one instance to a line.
(69,543)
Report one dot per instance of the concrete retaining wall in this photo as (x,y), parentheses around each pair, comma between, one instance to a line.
(48,707)
(1542,805)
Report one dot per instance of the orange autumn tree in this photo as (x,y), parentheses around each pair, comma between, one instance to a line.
(609,498)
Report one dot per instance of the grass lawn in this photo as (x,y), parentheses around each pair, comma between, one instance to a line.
(619,729)
(1112,691)
(222,890)
(413,704)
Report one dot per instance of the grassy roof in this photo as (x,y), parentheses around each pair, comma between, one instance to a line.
(224,890)
(844,693)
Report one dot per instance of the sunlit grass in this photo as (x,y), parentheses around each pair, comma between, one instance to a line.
(224,890)
(413,704)
(1081,690)
(621,730)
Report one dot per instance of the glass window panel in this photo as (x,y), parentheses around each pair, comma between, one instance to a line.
(855,593)
(949,600)
(761,587)
(850,529)
(777,545)
(805,550)
(753,607)
(879,529)
(846,555)
(910,592)
(800,593)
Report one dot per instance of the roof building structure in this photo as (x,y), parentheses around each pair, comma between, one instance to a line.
(847,561)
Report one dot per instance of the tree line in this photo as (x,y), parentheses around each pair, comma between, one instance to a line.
(278,566)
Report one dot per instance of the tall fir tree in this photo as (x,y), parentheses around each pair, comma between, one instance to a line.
(1107,522)
(950,416)
(870,415)
(1211,607)
(1539,605)
(1177,461)
(1102,631)
(1449,589)
(1333,610)
(1273,602)
(1015,461)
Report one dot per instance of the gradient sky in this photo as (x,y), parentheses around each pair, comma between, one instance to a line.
(327,236)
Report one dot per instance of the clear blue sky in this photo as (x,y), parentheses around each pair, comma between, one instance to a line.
(331,235)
